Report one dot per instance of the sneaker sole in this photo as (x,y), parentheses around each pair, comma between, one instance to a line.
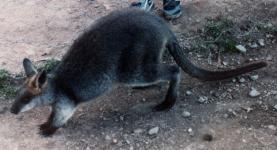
(169,17)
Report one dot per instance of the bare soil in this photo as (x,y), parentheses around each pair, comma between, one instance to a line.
(229,119)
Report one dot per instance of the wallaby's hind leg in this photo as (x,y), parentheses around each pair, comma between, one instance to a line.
(61,112)
(153,74)
(172,74)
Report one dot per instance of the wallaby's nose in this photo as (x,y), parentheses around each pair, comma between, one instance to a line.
(14,110)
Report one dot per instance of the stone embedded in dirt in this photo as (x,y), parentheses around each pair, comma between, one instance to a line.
(242,80)
(254,77)
(186,114)
(241,48)
(188,92)
(153,131)
(261,42)
(254,93)
(272,127)
(203,99)
(138,131)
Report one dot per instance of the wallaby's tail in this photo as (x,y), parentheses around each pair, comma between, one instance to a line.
(180,57)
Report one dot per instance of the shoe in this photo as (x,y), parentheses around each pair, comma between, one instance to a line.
(172,9)
(146,5)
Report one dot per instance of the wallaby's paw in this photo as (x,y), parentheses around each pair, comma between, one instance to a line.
(47,130)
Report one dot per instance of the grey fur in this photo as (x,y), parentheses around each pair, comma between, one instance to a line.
(124,47)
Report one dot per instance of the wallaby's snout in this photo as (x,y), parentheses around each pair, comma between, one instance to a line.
(31,88)
(15,109)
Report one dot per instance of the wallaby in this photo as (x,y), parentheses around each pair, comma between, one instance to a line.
(122,48)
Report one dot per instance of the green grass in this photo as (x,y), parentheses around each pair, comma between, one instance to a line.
(49,65)
(217,34)
(267,28)
(221,35)
(7,90)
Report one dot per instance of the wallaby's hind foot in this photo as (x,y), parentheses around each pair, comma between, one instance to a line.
(157,73)
(60,114)
(172,73)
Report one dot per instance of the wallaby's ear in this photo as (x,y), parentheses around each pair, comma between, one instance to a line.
(41,79)
(29,68)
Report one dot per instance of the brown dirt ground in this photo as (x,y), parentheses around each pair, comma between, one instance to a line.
(45,29)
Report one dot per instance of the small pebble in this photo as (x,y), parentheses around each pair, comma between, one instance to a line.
(253,45)
(190,131)
(261,42)
(254,93)
(242,80)
(269,36)
(254,77)
(188,92)
(203,99)
(153,131)
(241,48)
(186,114)
(115,141)
(272,127)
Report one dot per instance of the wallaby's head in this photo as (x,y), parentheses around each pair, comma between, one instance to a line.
(32,87)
